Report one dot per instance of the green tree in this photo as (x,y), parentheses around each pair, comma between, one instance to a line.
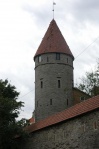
(90,83)
(9,112)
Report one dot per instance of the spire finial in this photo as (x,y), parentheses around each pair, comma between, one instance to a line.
(53,8)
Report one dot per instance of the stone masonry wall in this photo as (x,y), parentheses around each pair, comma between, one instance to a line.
(79,133)
(50,98)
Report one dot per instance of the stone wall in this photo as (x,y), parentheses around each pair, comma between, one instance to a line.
(79,133)
(49,98)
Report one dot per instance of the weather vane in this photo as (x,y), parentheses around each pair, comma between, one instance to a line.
(53,8)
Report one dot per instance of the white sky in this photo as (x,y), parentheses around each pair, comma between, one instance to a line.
(23,24)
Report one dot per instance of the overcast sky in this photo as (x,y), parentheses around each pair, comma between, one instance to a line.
(23,24)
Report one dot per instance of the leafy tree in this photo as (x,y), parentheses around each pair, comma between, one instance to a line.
(90,83)
(9,111)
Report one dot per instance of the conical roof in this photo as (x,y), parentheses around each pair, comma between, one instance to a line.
(53,42)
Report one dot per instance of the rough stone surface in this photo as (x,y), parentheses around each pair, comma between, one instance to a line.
(49,71)
(79,133)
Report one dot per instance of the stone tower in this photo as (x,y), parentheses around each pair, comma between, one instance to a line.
(53,74)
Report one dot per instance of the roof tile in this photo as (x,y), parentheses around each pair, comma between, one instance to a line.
(53,41)
(76,110)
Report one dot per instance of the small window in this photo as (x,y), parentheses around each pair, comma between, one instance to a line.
(41,84)
(82,98)
(67,102)
(72,83)
(39,58)
(47,59)
(83,127)
(59,84)
(95,125)
(57,56)
(67,60)
(65,134)
(50,101)
(54,137)
(37,103)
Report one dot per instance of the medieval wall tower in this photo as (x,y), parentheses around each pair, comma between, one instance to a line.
(53,74)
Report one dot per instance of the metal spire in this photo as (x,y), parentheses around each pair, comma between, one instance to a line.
(53,8)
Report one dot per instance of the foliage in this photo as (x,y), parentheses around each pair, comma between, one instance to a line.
(9,111)
(90,83)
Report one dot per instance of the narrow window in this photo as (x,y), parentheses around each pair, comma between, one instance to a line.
(50,101)
(65,135)
(67,60)
(39,58)
(41,84)
(47,59)
(54,137)
(95,125)
(83,126)
(57,56)
(37,103)
(58,83)
(67,102)
(72,83)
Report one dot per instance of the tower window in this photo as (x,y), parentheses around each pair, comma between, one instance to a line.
(72,83)
(83,126)
(65,134)
(37,103)
(57,56)
(39,58)
(59,84)
(50,101)
(67,60)
(95,125)
(47,59)
(67,102)
(41,84)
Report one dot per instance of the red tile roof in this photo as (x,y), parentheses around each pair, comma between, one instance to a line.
(53,41)
(31,120)
(78,109)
